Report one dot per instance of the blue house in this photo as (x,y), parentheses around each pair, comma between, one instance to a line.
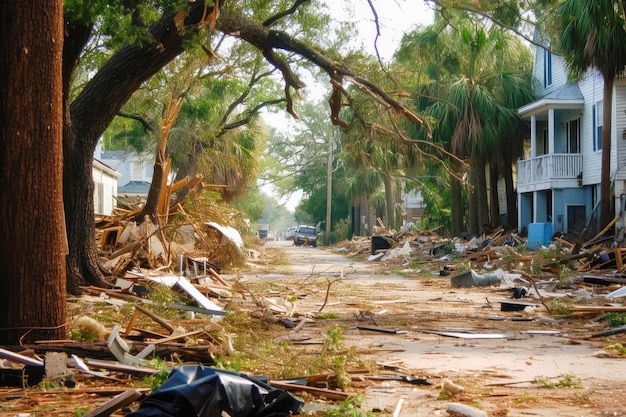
(558,181)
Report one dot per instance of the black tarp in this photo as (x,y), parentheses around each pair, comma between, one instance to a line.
(194,390)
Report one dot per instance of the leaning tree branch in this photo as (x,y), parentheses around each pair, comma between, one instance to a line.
(146,125)
(256,77)
(268,41)
(270,22)
(250,114)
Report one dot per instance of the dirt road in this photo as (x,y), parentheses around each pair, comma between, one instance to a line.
(509,363)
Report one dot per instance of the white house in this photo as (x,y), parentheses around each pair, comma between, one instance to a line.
(135,170)
(558,181)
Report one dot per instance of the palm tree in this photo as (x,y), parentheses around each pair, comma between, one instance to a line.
(474,104)
(591,34)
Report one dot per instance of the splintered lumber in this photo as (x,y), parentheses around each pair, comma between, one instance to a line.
(176,337)
(601,233)
(115,403)
(139,309)
(320,392)
(99,350)
(217,277)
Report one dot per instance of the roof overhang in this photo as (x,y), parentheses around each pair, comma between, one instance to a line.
(542,106)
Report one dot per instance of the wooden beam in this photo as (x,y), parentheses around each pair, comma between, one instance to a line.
(115,403)
(320,392)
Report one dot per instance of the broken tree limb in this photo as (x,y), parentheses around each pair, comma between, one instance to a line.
(601,233)
(156,318)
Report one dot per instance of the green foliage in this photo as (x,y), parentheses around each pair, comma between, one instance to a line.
(235,361)
(561,307)
(157,379)
(334,337)
(568,381)
(615,319)
(618,347)
(349,408)
(81,411)
(327,316)
(341,231)
(81,336)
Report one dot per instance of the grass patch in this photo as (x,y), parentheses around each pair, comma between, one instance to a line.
(328,316)
(615,319)
(568,381)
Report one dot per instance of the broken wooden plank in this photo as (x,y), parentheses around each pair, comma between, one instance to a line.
(156,318)
(217,277)
(115,403)
(601,233)
(320,392)
(176,337)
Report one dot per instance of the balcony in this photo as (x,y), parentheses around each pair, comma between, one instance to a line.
(549,171)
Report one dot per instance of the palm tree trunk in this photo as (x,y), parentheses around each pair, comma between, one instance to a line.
(472,196)
(456,200)
(481,193)
(389,200)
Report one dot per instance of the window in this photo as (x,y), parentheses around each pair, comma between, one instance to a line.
(547,68)
(573,136)
(597,114)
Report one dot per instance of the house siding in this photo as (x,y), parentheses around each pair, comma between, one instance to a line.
(591,87)
(105,190)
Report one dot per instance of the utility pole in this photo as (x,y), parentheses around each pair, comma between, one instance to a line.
(329,190)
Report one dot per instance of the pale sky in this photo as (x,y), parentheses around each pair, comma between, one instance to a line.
(395,17)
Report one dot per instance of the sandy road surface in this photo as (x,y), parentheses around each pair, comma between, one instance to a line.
(499,375)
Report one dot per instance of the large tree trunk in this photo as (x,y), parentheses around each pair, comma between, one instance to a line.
(481,193)
(32,232)
(86,119)
(472,196)
(606,197)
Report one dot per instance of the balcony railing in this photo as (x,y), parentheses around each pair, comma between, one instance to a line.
(549,168)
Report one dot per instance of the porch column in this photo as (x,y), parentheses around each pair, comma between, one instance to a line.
(533,136)
(550,131)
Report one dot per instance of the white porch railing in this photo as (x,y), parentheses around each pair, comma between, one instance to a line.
(549,167)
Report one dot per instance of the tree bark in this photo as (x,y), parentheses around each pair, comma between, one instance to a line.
(472,196)
(456,200)
(390,200)
(481,193)
(32,232)
(86,119)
